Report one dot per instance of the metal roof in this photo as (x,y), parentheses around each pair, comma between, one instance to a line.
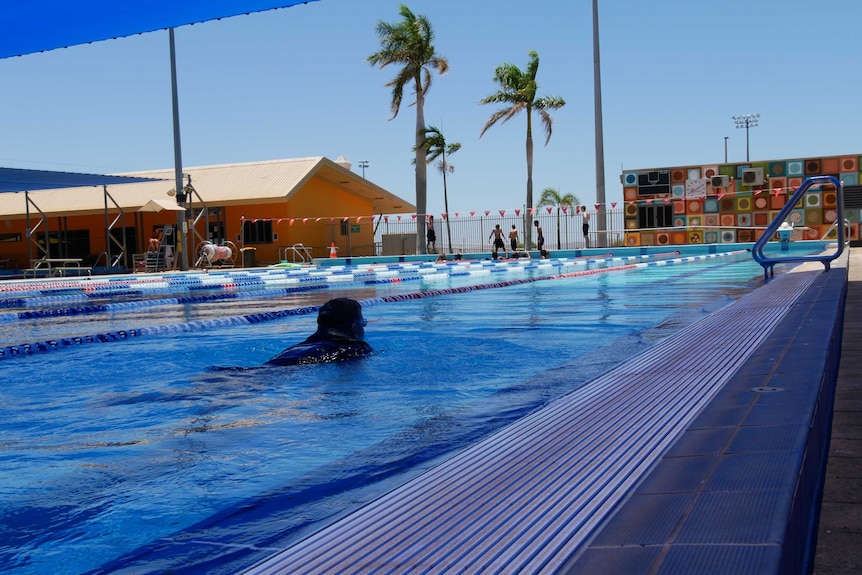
(41,25)
(219,185)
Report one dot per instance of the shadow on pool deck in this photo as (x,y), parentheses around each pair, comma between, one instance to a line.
(839,544)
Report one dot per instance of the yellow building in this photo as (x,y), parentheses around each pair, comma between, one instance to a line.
(269,206)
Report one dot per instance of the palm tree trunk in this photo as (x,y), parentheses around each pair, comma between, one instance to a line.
(421,172)
(446,201)
(529,233)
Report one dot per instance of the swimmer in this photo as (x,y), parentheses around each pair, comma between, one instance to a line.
(340,335)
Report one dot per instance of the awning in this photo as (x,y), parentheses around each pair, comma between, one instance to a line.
(30,26)
(21,180)
(159,205)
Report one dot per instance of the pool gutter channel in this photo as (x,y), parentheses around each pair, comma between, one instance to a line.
(703,454)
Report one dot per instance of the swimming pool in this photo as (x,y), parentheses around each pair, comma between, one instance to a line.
(150,452)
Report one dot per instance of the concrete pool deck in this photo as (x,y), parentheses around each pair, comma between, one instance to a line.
(839,539)
(733,486)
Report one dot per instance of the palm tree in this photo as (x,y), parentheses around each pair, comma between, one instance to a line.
(552,197)
(518,92)
(410,43)
(436,147)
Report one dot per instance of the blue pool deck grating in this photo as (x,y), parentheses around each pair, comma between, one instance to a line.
(704,454)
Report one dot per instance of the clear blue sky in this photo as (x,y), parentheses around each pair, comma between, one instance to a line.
(295,83)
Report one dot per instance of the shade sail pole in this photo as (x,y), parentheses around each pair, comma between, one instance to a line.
(182,252)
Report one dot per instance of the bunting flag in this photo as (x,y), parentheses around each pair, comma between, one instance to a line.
(613,205)
(565,209)
(317,219)
(472,213)
(720,196)
(549,208)
(399,218)
(502,213)
(358,219)
(598,206)
(304,221)
(331,220)
(532,211)
(386,219)
(487,212)
(279,220)
(444,216)
(292,220)
(518,212)
(648,201)
(413,217)
(577,209)
(667,201)
(457,214)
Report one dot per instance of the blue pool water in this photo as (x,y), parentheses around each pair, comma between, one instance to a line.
(177,451)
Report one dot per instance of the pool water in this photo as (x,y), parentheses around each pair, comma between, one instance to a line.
(179,452)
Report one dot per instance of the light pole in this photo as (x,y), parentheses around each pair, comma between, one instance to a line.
(746,121)
(363,164)
(725,149)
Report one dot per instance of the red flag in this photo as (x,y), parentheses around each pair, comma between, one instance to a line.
(444,216)
(667,201)
(472,213)
(565,209)
(549,208)
(597,206)
(304,221)
(577,209)
(457,214)
(358,218)
(720,196)
(487,212)
(399,218)
(386,219)
(649,200)
(413,217)
(532,211)
(517,212)
(502,213)
(613,205)
(292,220)
(331,220)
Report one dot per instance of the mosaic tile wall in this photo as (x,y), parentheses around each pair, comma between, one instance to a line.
(729,203)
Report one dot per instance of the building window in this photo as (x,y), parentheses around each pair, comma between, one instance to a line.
(660,216)
(259,232)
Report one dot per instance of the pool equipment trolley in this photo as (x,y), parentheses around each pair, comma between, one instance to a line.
(211,255)
(768,262)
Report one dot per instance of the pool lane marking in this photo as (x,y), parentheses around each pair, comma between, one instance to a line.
(26,349)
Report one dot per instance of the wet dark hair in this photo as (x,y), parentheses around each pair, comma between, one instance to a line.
(339,312)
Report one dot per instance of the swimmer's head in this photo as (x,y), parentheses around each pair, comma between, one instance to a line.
(343,314)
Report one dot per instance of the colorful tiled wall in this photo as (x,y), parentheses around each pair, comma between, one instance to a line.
(729,203)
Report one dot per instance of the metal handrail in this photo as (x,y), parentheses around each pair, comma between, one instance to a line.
(297,250)
(767,262)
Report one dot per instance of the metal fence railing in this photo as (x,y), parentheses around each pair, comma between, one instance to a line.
(470,234)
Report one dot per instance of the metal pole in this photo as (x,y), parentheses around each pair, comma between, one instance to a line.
(600,154)
(725,149)
(182,252)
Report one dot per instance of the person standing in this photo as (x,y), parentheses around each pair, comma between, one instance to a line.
(540,236)
(586,227)
(497,234)
(431,236)
(513,239)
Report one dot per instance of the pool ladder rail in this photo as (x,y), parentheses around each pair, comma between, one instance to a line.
(768,262)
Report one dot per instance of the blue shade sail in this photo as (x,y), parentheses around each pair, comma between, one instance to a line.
(29,26)
(19,180)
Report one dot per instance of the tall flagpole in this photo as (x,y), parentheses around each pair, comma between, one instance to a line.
(601,219)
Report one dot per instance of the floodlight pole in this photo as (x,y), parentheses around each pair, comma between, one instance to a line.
(182,253)
(746,121)
(363,164)
(601,224)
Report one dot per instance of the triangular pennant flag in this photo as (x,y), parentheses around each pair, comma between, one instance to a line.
(386,219)
(292,220)
(549,208)
(443,216)
(577,209)
(667,201)
(331,220)
(344,219)
(565,209)
(457,214)
(502,213)
(532,211)
(358,218)
(472,214)
(597,206)
(518,212)
(720,196)
(304,221)
(278,221)
(399,218)
(649,200)
(487,212)
(413,217)
(613,205)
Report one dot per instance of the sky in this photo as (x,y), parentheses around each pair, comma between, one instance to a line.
(295,82)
